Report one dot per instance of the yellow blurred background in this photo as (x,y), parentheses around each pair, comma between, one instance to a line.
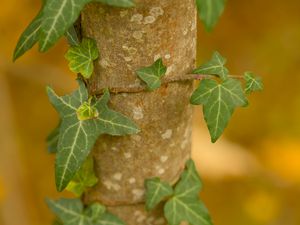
(251,176)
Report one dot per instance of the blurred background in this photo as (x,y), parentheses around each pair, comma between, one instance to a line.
(251,176)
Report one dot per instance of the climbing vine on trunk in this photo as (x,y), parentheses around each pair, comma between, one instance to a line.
(84,116)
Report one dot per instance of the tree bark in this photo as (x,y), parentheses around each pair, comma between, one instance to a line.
(127,40)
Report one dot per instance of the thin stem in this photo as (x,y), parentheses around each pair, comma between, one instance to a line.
(164,81)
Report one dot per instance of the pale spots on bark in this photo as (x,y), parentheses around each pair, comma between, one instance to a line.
(156,57)
(164,158)
(167,56)
(161,171)
(117,176)
(139,216)
(126,44)
(137,18)
(137,35)
(138,193)
(132,180)
(156,11)
(167,134)
(170,69)
(137,113)
(115,149)
(111,185)
(127,155)
(132,213)
(149,19)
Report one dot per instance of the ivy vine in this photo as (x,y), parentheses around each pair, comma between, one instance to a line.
(84,117)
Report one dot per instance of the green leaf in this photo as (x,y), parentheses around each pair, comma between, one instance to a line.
(82,56)
(95,212)
(210,11)
(219,102)
(29,37)
(190,183)
(52,139)
(72,37)
(156,191)
(77,136)
(214,67)
(87,111)
(58,17)
(118,3)
(152,75)
(182,208)
(185,205)
(109,219)
(112,122)
(71,212)
(84,178)
(55,20)
(253,83)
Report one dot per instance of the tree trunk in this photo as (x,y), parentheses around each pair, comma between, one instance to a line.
(127,40)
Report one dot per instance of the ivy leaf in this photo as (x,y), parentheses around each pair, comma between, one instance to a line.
(210,11)
(109,219)
(84,178)
(214,67)
(118,3)
(71,211)
(112,122)
(183,208)
(83,121)
(29,37)
(219,102)
(253,83)
(156,192)
(95,212)
(52,139)
(190,183)
(72,37)
(54,20)
(152,75)
(185,205)
(58,17)
(82,56)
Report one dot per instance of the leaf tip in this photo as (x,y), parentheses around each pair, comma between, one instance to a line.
(48,201)
(214,139)
(208,28)
(15,56)
(49,90)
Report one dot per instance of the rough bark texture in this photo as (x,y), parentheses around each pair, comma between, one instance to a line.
(129,39)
